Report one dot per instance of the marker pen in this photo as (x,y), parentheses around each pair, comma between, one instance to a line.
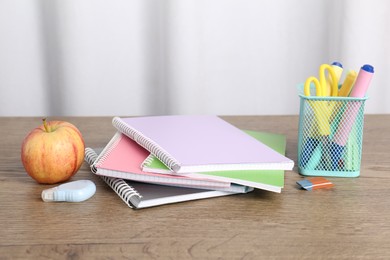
(362,81)
(341,136)
(338,70)
(348,83)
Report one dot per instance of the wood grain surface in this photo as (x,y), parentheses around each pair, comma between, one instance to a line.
(348,221)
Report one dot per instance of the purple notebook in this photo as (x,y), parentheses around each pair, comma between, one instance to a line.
(190,143)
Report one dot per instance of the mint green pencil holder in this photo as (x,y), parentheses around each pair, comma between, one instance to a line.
(330,136)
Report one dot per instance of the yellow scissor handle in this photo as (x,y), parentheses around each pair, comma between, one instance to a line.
(322,110)
(319,89)
(321,85)
(334,88)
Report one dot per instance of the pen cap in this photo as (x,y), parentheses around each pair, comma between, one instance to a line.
(338,69)
(48,195)
(362,81)
(338,64)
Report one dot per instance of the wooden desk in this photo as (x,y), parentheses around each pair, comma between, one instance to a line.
(349,221)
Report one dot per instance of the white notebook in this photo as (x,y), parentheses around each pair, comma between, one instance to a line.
(143,195)
(188,144)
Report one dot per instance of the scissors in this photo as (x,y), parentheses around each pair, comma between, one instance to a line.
(322,109)
(322,112)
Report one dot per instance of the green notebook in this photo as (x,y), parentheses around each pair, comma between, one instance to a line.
(271,180)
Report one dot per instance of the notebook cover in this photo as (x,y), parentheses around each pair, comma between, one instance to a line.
(122,158)
(155,195)
(272,180)
(144,195)
(206,142)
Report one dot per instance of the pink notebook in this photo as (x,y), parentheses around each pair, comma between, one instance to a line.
(188,144)
(122,158)
(142,195)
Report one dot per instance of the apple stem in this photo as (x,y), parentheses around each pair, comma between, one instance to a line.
(45,125)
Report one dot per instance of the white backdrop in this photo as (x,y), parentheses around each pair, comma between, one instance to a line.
(226,57)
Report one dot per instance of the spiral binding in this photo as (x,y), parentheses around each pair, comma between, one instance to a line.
(147,143)
(107,150)
(127,193)
(149,160)
(90,158)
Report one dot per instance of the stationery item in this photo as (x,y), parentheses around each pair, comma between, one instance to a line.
(322,110)
(311,146)
(75,191)
(139,195)
(363,81)
(338,70)
(315,183)
(352,151)
(271,180)
(319,156)
(188,144)
(321,160)
(348,83)
(358,91)
(122,158)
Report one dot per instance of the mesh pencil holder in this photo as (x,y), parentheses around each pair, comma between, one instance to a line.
(330,136)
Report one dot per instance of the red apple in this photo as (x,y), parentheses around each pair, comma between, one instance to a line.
(53,152)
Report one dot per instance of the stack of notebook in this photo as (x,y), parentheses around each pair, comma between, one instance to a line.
(158,160)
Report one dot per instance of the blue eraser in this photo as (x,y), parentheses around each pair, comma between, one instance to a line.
(305,184)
